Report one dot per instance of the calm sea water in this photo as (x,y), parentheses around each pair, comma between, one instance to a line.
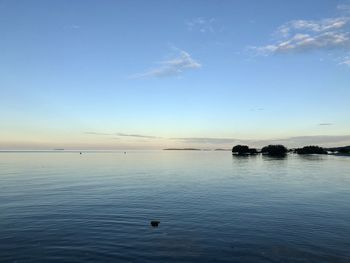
(213,207)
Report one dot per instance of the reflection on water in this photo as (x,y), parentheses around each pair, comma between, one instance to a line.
(212,207)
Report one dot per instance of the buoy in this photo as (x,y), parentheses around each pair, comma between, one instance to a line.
(155,223)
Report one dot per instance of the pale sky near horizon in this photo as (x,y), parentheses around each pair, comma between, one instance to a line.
(89,74)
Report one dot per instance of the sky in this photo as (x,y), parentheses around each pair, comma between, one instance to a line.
(90,74)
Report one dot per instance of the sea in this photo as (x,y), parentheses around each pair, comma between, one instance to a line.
(61,206)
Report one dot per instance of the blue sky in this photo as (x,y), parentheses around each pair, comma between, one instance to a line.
(152,74)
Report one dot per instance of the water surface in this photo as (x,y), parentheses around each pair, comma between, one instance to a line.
(213,207)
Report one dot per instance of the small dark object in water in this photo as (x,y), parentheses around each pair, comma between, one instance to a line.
(80,152)
(124,152)
(155,223)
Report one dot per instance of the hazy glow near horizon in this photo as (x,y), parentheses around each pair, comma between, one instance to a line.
(157,74)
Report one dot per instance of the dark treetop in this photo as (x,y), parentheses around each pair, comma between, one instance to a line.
(274,150)
(311,150)
(243,150)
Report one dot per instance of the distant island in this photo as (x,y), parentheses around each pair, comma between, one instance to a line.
(276,150)
(272,150)
(312,149)
(244,150)
(281,150)
(345,150)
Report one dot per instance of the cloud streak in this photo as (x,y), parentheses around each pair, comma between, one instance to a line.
(344,8)
(297,141)
(201,24)
(97,133)
(182,62)
(120,134)
(325,124)
(345,61)
(137,136)
(319,139)
(322,25)
(309,35)
(206,140)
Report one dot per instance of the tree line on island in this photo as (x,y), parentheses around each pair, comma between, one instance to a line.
(275,150)
(281,150)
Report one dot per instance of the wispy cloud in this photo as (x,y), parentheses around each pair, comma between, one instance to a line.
(214,142)
(344,7)
(201,24)
(206,140)
(345,61)
(323,140)
(325,124)
(183,61)
(75,26)
(137,136)
(319,139)
(97,133)
(322,25)
(309,35)
(123,135)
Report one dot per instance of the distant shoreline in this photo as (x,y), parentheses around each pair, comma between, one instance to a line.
(181,149)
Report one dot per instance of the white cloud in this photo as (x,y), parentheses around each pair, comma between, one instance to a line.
(344,7)
(171,67)
(304,35)
(313,25)
(201,24)
(303,42)
(345,61)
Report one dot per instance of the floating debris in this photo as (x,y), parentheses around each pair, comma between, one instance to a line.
(155,223)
